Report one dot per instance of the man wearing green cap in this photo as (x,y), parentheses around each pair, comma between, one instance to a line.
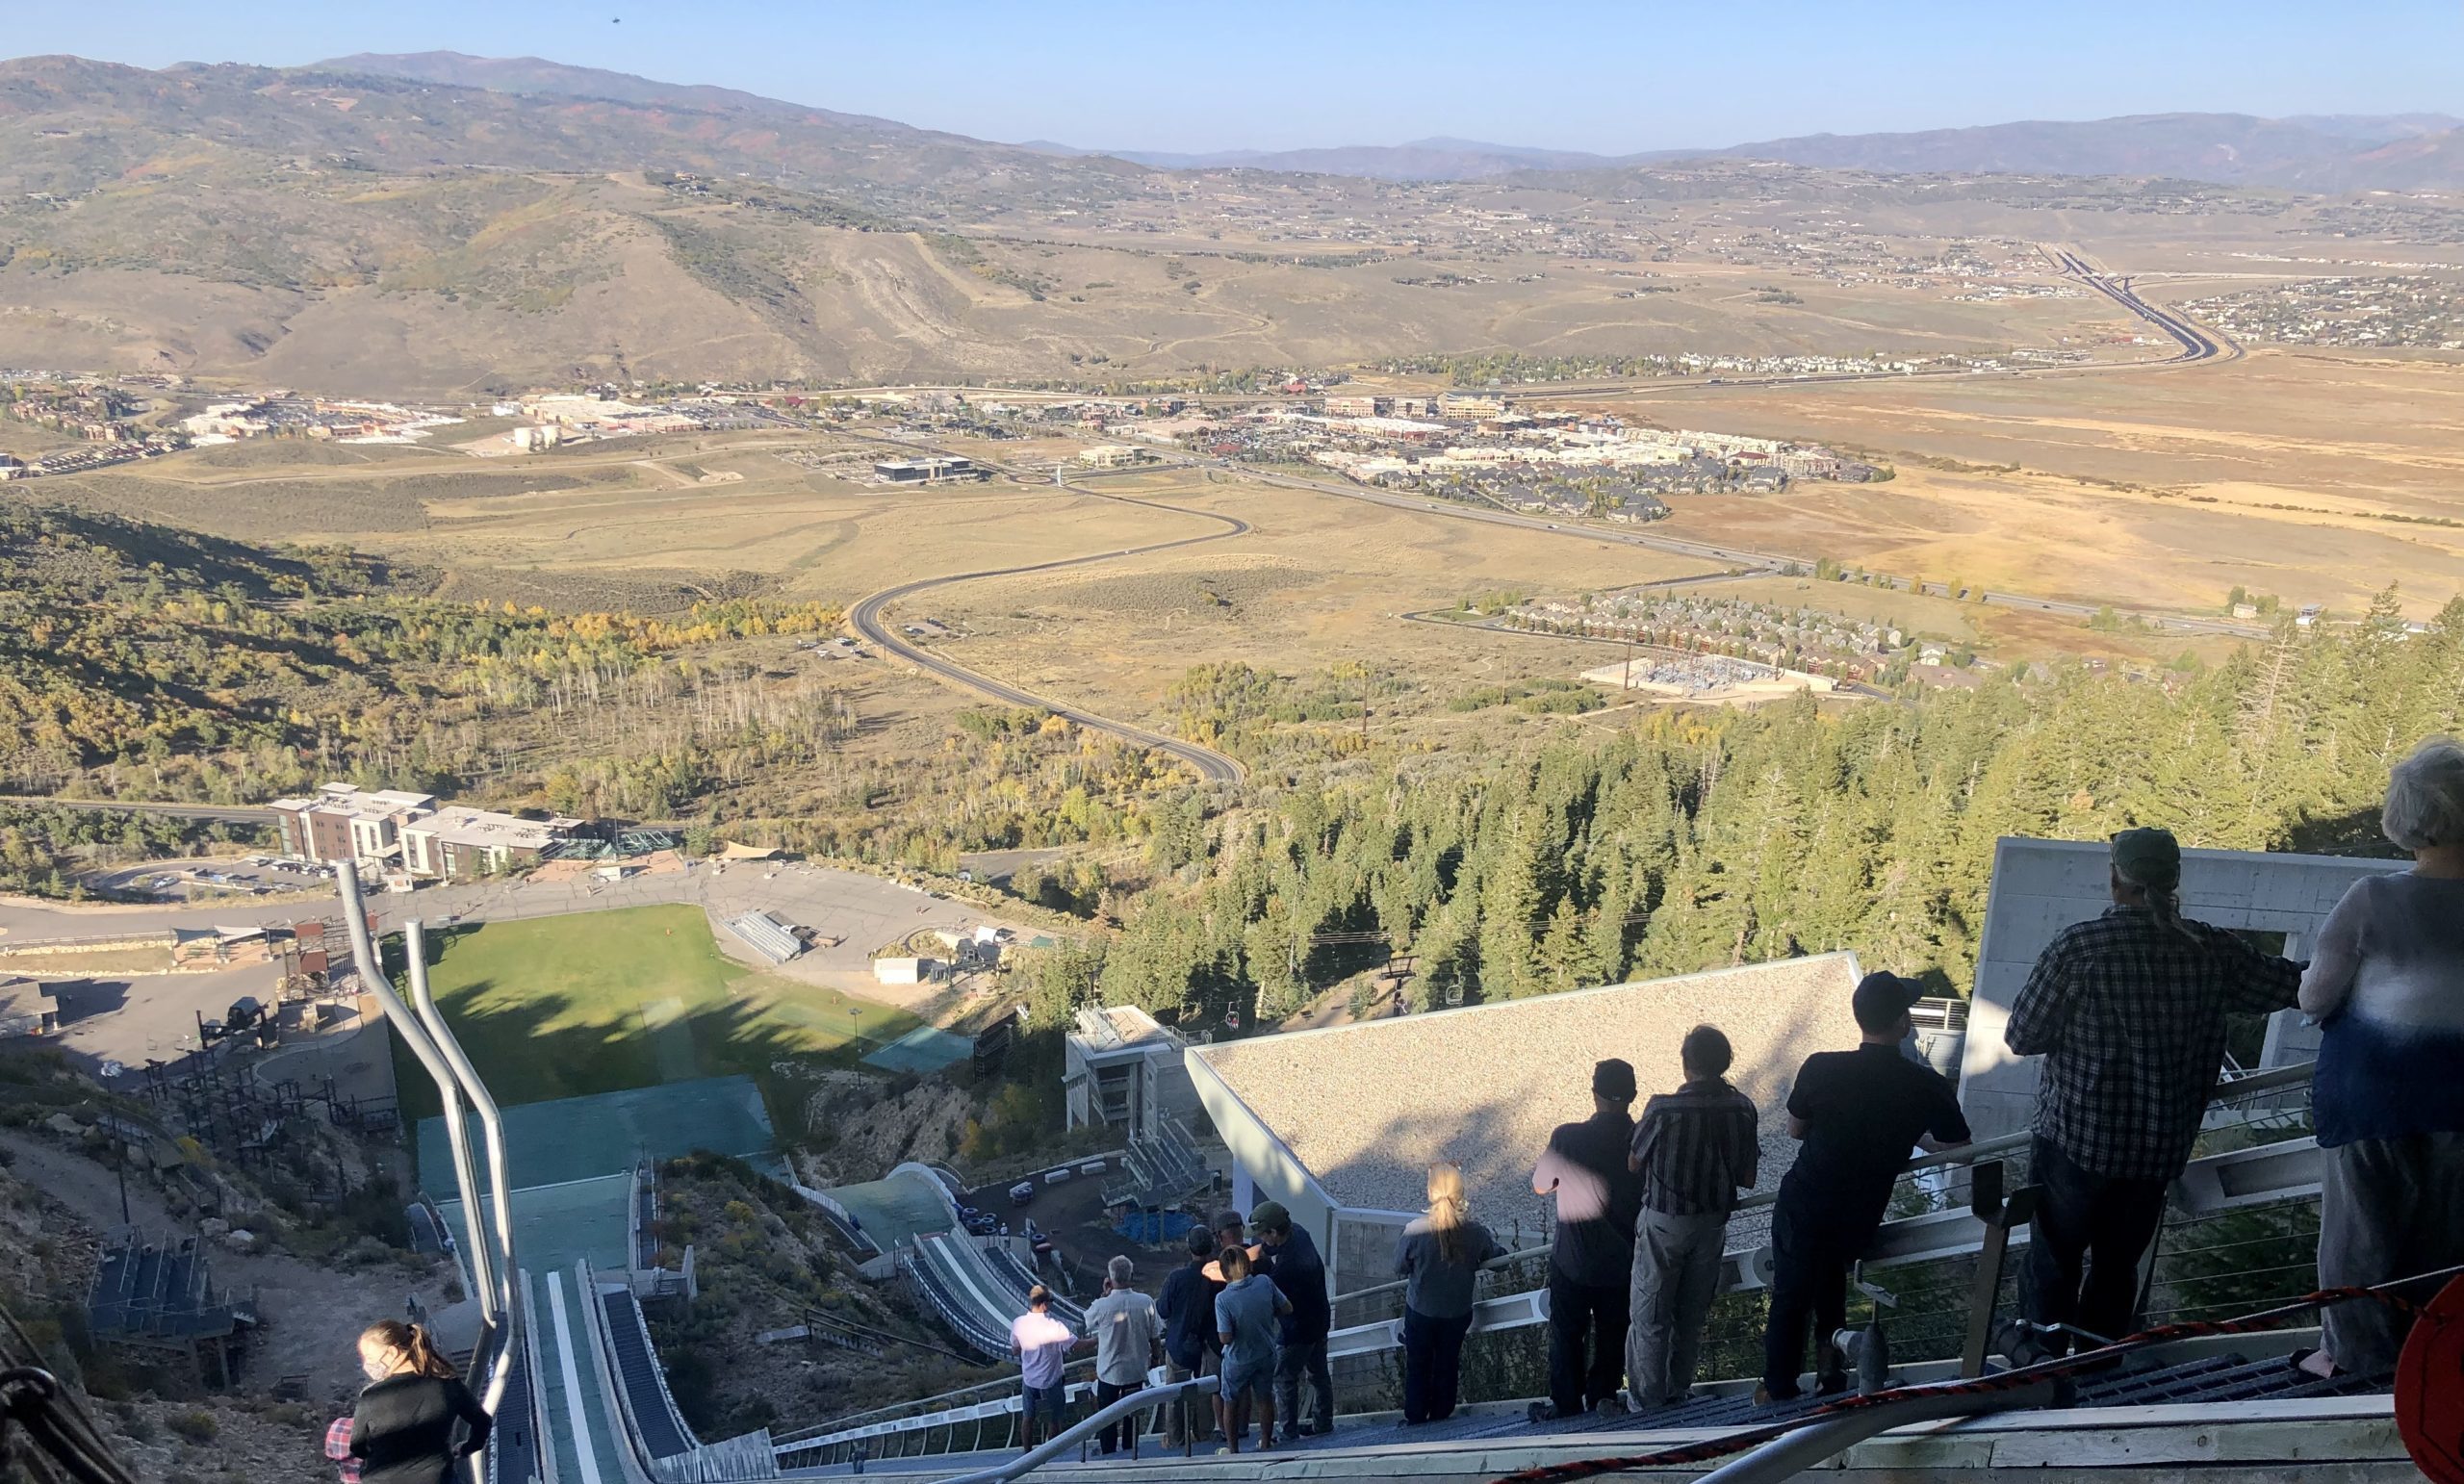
(2128,1010)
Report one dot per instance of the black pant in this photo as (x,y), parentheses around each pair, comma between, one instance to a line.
(1579,1311)
(1432,1365)
(2082,1258)
(1810,1254)
(1106,1393)
(1292,1360)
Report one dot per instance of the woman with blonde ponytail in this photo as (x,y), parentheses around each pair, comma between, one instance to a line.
(1439,1259)
(404,1430)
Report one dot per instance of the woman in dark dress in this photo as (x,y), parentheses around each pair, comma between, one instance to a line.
(403,1431)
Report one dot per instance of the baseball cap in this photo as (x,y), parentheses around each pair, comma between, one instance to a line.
(1882,998)
(2148,858)
(1613,1080)
(1271,1216)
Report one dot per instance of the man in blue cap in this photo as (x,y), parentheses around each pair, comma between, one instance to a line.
(1859,1113)
(2128,1010)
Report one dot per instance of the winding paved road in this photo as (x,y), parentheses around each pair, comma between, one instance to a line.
(2197,345)
(865,619)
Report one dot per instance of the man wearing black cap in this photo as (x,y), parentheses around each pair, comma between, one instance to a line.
(1592,1255)
(1859,1112)
(2128,1010)
(1187,1305)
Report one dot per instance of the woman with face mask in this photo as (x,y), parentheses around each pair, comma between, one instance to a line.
(403,1432)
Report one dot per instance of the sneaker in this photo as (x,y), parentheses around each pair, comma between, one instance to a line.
(1765,1397)
(1613,1405)
(1541,1412)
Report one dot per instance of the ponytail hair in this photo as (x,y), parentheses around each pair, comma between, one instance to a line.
(2163,896)
(416,1346)
(1448,1209)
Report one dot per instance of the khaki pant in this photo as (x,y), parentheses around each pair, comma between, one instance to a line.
(1677,1274)
(2389,1208)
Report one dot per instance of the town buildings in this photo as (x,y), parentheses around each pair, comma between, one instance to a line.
(412,833)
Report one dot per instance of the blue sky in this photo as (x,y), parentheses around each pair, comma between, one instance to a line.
(1270,74)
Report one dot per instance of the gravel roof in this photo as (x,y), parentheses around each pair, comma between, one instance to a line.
(1367,1107)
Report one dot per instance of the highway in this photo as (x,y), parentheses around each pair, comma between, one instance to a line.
(2197,345)
(866,621)
(229,814)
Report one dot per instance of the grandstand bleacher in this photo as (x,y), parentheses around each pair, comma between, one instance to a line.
(766,936)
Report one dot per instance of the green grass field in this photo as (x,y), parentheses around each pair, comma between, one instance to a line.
(596,1002)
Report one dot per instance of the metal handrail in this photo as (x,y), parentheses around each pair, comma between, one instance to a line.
(1144,1399)
(2294,1075)
(492,1131)
(1790,1454)
(1517,1309)
(500,1326)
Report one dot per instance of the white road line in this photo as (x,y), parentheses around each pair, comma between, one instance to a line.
(573,1411)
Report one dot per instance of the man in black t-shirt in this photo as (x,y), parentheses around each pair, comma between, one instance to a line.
(1592,1254)
(1858,1113)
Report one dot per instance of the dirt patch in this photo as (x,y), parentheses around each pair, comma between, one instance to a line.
(861,1126)
(767,1261)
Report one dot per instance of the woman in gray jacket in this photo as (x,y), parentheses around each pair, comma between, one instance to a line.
(1439,1258)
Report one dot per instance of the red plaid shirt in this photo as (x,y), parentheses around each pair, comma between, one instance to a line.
(338,1448)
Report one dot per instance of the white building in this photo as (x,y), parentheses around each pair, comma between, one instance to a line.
(1342,1124)
(1123,1068)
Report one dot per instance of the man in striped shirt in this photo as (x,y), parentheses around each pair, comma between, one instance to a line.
(1695,1148)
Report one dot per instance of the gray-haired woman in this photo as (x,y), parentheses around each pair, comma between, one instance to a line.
(2387,983)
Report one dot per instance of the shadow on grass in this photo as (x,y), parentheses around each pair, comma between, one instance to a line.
(552,1044)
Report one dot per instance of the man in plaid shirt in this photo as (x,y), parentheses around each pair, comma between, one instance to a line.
(2128,1010)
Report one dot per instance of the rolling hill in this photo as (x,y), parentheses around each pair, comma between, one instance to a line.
(440,224)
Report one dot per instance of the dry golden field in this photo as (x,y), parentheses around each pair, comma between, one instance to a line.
(2280,472)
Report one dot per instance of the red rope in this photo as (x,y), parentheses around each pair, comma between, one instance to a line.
(2001,1381)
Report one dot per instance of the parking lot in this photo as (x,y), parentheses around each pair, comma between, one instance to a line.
(207,881)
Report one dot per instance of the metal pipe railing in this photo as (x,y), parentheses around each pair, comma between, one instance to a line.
(499,1322)
(457,1132)
(1790,1454)
(1145,1399)
(483,1103)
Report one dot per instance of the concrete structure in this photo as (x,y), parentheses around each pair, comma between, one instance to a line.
(927,471)
(27,1007)
(1707,677)
(1358,406)
(463,844)
(1473,404)
(2041,886)
(904,970)
(1123,1069)
(343,821)
(1341,1124)
(1115,455)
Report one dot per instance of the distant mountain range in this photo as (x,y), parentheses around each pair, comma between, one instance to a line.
(437,221)
(2321,152)
(2328,152)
